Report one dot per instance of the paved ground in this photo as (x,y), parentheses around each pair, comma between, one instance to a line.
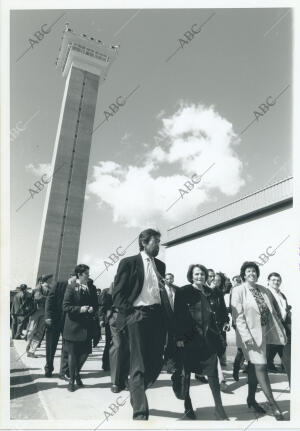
(35,397)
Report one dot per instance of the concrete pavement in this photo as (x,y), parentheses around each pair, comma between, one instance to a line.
(34,396)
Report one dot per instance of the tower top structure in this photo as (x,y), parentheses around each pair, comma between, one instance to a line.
(84,52)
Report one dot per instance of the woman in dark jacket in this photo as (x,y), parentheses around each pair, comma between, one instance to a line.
(218,306)
(197,334)
(217,302)
(81,306)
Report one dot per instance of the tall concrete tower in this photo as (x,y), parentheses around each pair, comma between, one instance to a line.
(84,62)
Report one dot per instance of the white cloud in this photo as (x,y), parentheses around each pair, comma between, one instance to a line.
(125,138)
(191,140)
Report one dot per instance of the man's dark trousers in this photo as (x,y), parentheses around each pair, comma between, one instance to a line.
(105,356)
(272,350)
(146,331)
(18,325)
(119,355)
(170,353)
(52,337)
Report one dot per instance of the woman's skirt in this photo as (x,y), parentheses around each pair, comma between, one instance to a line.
(255,354)
(207,367)
(78,348)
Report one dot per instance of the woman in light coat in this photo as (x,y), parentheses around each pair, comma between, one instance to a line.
(257,324)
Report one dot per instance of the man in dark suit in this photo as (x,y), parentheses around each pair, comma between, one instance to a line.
(55,320)
(116,351)
(20,310)
(171,348)
(282,308)
(105,312)
(137,298)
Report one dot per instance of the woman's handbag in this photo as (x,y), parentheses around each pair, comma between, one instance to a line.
(180,379)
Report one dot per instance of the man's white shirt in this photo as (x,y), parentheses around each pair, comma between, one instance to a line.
(150,292)
(171,295)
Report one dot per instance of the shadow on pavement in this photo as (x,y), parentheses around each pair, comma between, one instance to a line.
(166,413)
(23,391)
(19,370)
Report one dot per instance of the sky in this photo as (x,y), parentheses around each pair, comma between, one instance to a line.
(196,112)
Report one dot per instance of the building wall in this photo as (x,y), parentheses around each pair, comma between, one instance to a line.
(225,250)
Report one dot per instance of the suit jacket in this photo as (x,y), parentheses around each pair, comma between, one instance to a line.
(128,284)
(169,313)
(216,299)
(105,306)
(22,304)
(54,303)
(79,325)
(246,315)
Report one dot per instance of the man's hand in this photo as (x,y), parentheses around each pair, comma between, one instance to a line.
(180,344)
(72,280)
(84,308)
(90,309)
(48,322)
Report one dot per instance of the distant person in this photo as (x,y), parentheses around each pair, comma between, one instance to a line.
(118,349)
(55,320)
(105,313)
(36,327)
(257,324)
(20,310)
(211,277)
(274,283)
(239,357)
(171,348)
(81,307)
(215,296)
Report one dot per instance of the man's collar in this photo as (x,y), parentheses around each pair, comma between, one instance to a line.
(275,290)
(145,255)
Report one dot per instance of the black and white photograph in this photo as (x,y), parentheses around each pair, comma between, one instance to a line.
(150,248)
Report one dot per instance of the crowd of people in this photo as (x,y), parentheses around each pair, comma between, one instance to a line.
(150,323)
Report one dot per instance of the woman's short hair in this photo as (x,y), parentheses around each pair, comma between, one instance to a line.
(189,274)
(80,269)
(223,279)
(146,235)
(249,265)
(228,285)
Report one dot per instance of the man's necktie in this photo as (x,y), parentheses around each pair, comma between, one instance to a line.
(150,274)
(171,297)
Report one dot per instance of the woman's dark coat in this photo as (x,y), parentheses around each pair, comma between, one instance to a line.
(79,325)
(195,326)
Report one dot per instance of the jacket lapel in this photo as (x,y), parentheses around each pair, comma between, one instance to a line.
(77,293)
(140,270)
(166,302)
